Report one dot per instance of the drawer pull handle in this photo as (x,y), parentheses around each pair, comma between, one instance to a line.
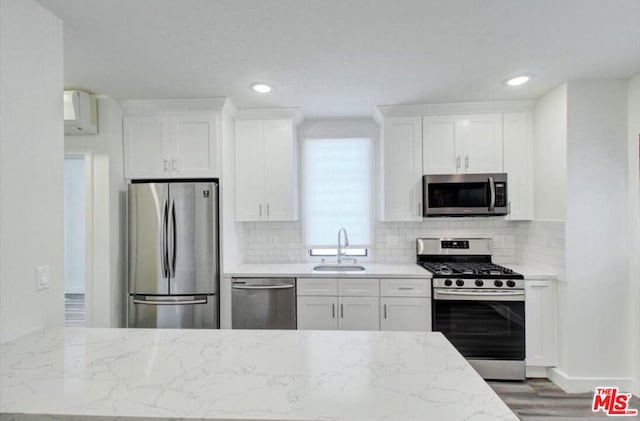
(405,288)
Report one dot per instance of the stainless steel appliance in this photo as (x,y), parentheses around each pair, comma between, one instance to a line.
(173,270)
(465,194)
(263,303)
(478,305)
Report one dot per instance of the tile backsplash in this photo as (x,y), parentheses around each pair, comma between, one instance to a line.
(514,242)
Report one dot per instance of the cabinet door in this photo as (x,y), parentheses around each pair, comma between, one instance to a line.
(405,314)
(280,171)
(439,148)
(540,323)
(402,163)
(146,146)
(250,172)
(481,143)
(317,313)
(517,164)
(359,313)
(194,145)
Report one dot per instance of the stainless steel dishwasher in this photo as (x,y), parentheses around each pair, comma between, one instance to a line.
(263,303)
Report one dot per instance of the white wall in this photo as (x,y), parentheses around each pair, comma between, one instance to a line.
(633,102)
(596,323)
(106,221)
(31,163)
(550,155)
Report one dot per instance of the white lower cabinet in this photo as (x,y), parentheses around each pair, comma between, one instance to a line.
(317,313)
(540,326)
(405,314)
(356,304)
(358,313)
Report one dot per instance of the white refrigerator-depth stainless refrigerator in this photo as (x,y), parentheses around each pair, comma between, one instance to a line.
(173,255)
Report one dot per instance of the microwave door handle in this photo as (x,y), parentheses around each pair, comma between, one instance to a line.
(492,194)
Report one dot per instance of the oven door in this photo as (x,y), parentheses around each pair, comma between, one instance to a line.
(482,324)
(464,194)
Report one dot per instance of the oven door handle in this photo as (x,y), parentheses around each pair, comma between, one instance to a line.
(479,296)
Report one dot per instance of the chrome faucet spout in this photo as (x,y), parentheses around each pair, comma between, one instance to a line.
(340,254)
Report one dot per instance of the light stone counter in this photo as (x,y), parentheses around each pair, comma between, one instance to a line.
(109,374)
(303,270)
(533,272)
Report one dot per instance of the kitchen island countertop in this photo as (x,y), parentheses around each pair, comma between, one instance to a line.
(125,374)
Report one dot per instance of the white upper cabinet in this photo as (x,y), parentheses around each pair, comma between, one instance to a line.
(172,139)
(250,172)
(518,150)
(194,146)
(146,144)
(439,151)
(266,171)
(462,144)
(280,170)
(481,143)
(401,164)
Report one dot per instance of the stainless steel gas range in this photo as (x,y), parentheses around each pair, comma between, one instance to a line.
(478,305)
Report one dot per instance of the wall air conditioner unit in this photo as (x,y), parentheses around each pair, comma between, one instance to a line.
(80,113)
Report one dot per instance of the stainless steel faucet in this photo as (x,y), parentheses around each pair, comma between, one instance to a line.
(340,255)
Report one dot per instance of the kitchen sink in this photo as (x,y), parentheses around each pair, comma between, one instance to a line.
(339,268)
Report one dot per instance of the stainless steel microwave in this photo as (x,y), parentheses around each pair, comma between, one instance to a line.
(465,194)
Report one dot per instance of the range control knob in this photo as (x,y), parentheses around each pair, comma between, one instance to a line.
(460,282)
(511,284)
(448,282)
(497,283)
(479,282)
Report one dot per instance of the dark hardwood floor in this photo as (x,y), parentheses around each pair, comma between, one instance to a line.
(540,399)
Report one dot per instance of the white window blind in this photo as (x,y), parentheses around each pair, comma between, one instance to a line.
(337,186)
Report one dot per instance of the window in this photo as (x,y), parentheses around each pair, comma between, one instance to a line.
(337,191)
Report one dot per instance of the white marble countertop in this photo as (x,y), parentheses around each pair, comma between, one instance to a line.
(108,374)
(533,272)
(300,270)
(373,270)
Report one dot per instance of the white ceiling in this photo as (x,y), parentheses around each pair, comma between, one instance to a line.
(342,57)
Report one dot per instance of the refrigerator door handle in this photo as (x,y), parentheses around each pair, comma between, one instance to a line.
(170,303)
(172,240)
(163,246)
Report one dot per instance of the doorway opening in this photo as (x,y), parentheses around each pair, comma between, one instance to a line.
(74,240)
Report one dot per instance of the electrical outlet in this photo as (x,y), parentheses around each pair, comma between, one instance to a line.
(42,277)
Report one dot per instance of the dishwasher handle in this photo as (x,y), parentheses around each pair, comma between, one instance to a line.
(262,286)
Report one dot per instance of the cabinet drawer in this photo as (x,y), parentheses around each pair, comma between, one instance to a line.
(405,288)
(317,286)
(358,287)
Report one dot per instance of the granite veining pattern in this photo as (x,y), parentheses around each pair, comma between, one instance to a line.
(108,374)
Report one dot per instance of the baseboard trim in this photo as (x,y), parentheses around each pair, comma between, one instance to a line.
(537,372)
(588,384)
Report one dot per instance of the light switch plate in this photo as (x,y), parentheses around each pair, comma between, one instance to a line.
(42,277)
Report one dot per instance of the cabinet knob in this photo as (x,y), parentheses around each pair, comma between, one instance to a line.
(458,162)
(466,162)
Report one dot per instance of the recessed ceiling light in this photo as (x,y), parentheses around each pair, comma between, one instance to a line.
(518,80)
(261,88)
